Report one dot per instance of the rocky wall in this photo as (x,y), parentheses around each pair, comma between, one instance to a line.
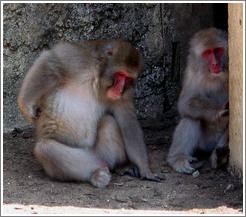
(159,31)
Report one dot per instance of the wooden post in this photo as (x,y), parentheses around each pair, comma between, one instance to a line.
(236,90)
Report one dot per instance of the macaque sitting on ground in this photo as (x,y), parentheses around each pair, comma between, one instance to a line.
(80,97)
(203,103)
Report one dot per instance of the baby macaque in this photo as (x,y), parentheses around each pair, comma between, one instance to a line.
(80,97)
(203,103)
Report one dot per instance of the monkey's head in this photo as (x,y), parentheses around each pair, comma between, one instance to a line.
(123,65)
(209,47)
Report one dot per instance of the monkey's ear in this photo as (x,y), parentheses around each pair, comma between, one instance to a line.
(111,48)
(109,51)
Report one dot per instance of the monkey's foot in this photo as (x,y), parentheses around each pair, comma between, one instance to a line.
(101,177)
(182,165)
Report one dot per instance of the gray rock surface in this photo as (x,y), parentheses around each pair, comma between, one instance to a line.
(159,31)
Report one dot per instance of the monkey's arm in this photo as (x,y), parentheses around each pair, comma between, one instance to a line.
(200,107)
(134,140)
(41,77)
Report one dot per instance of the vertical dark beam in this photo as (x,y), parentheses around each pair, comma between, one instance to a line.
(221,15)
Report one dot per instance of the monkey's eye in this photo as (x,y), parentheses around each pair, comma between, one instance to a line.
(218,51)
(121,74)
(208,52)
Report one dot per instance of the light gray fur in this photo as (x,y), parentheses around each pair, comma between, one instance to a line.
(81,132)
(201,104)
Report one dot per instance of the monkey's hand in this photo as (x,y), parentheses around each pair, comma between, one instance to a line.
(146,173)
(128,170)
(223,111)
(153,176)
(134,171)
(28,111)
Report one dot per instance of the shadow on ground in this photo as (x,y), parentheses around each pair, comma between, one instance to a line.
(24,182)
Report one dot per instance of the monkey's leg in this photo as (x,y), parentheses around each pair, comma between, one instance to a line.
(185,141)
(224,139)
(109,145)
(220,155)
(71,164)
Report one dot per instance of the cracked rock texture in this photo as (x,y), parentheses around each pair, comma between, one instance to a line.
(159,31)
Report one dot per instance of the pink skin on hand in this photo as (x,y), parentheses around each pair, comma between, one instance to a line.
(213,57)
(121,78)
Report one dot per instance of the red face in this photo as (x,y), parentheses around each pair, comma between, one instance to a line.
(213,56)
(121,78)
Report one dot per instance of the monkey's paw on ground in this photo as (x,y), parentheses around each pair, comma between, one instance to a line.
(182,165)
(26,186)
(101,177)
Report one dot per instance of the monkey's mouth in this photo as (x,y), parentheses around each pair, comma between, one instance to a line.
(215,70)
(117,89)
(119,85)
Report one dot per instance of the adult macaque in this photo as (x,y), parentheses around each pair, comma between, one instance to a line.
(203,102)
(80,97)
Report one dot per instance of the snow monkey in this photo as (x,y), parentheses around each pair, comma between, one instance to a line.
(203,103)
(80,97)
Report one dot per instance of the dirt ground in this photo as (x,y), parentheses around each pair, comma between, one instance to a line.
(27,190)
